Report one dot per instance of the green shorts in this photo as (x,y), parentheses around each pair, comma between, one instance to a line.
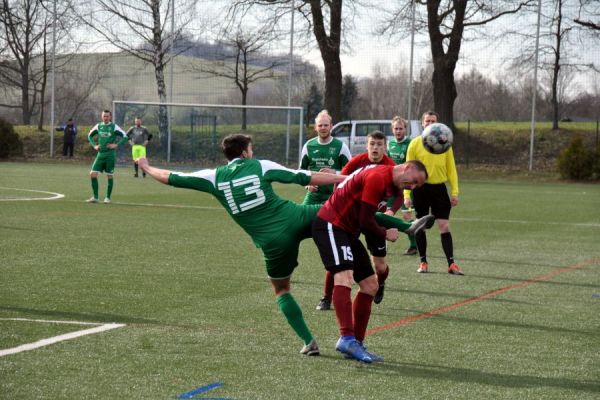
(138,151)
(281,253)
(105,162)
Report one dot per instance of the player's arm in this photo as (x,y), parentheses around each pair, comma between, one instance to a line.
(452,176)
(410,155)
(161,175)
(93,132)
(345,155)
(304,158)
(122,133)
(325,178)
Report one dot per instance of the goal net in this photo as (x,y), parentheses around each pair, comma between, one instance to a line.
(192,133)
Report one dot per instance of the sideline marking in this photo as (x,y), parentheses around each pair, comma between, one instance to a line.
(59,338)
(503,221)
(520,221)
(54,197)
(203,389)
(492,293)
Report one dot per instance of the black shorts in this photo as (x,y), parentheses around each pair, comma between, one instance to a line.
(377,245)
(432,197)
(341,250)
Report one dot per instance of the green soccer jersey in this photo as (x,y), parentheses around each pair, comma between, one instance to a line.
(243,187)
(107,134)
(397,150)
(334,154)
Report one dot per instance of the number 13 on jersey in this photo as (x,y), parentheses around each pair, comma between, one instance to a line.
(239,202)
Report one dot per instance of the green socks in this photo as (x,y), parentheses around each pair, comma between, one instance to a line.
(110,187)
(391,222)
(95,187)
(293,314)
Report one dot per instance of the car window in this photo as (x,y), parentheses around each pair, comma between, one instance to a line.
(342,130)
(362,129)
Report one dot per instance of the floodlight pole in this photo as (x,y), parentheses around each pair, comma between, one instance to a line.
(169,111)
(290,73)
(535,84)
(52,84)
(410,74)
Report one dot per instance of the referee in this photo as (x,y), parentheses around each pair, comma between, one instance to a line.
(433,195)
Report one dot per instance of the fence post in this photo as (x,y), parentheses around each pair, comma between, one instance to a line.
(468,140)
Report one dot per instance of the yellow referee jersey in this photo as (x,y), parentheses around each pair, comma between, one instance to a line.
(440,167)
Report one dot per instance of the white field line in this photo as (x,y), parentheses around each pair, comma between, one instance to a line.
(54,196)
(59,338)
(503,221)
(525,222)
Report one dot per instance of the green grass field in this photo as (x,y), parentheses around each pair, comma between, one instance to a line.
(198,309)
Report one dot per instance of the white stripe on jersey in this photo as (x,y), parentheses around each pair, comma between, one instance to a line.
(206,174)
(336,256)
(267,165)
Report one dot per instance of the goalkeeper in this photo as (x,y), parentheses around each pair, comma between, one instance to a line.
(138,138)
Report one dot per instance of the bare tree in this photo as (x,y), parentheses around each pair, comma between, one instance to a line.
(244,60)
(323,21)
(139,28)
(590,10)
(446,22)
(558,57)
(23,52)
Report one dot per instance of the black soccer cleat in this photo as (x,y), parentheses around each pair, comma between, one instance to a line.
(379,295)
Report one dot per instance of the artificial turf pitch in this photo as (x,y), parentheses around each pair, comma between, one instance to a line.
(201,320)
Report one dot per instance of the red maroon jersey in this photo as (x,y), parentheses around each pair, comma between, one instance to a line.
(370,185)
(361,161)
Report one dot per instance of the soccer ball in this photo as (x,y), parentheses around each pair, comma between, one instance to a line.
(437,138)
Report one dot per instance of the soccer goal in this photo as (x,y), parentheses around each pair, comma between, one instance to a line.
(192,133)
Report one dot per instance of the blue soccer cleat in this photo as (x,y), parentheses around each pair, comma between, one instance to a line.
(352,347)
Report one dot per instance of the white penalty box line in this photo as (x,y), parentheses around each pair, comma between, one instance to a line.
(55,339)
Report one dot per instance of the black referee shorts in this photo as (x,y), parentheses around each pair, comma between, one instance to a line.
(341,250)
(432,197)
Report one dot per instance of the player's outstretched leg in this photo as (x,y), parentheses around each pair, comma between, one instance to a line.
(292,312)
(410,228)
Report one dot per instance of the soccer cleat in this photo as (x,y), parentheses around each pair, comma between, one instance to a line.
(418,225)
(411,251)
(379,295)
(454,269)
(107,200)
(423,267)
(373,356)
(311,349)
(324,304)
(92,200)
(135,175)
(352,347)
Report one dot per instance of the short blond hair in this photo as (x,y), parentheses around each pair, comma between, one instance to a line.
(398,118)
(324,113)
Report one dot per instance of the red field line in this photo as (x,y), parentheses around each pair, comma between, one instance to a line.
(492,293)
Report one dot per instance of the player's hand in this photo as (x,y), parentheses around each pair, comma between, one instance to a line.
(97,147)
(389,212)
(392,234)
(327,170)
(142,163)
(407,216)
(311,188)
(454,201)
(408,202)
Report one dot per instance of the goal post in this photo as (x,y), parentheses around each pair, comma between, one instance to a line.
(193,132)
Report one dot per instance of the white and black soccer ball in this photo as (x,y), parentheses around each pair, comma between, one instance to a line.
(437,138)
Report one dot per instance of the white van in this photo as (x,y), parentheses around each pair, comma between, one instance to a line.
(354,132)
